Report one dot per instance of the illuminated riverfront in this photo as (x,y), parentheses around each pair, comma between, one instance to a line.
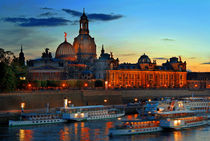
(104,70)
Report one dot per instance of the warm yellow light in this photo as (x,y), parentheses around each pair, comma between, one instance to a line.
(119,118)
(22,78)
(29,85)
(75,115)
(22,105)
(69,102)
(149,100)
(135,99)
(64,85)
(196,85)
(86,84)
(82,115)
(65,103)
(105,100)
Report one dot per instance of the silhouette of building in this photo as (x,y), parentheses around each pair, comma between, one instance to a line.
(21,57)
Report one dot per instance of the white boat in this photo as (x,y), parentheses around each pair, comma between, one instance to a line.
(129,127)
(181,119)
(81,113)
(198,104)
(36,119)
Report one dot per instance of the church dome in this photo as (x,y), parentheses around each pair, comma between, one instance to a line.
(84,45)
(144,59)
(65,51)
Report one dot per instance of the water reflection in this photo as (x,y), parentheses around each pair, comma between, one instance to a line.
(95,131)
(64,134)
(25,135)
(177,135)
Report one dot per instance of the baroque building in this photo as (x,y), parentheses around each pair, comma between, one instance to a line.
(84,45)
(46,68)
(70,62)
(105,62)
(79,61)
(146,74)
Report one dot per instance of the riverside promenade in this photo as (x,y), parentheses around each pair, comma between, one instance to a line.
(39,99)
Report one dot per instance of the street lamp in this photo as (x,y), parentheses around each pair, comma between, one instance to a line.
(22,105)
(105,100)
(135,99)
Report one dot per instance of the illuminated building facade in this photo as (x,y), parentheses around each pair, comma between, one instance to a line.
(198,80)
(146,74)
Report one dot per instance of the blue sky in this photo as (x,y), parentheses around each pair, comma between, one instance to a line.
(128,28)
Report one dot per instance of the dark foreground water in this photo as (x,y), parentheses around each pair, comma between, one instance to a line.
(96,131)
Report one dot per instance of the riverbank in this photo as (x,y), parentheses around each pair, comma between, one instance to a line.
(39,99)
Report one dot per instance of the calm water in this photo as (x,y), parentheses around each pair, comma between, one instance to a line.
(95,131)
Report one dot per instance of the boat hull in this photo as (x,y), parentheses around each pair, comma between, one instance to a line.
(34,122)
(118,132)
(183,126)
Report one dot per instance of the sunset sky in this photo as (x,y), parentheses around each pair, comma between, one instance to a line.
(128,28)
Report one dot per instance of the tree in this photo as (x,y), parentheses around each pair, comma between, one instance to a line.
(10,71)
(7,78)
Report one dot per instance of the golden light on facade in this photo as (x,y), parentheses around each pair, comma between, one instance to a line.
(148,85)
(29,85)
(106,85)
(69,102)
(106,82)
(86,84)
(196,85)
(64,85)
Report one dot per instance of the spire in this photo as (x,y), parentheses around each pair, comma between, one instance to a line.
(21,56)
(102,50)
(21,49)
(83,10)
(111,54)
(83,24)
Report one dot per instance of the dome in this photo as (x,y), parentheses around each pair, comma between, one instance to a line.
(84,45)
(65,51)
(144,59)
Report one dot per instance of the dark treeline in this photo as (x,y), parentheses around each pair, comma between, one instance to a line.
(10,72)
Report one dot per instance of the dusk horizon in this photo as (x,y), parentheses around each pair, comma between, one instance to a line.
(160,29)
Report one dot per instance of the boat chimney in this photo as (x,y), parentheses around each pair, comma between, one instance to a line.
(65,102)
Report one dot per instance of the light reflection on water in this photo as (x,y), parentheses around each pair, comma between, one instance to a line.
(97,131)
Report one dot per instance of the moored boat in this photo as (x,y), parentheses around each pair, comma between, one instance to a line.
(95,112)
(129,127)
(180,119)
(37,119)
